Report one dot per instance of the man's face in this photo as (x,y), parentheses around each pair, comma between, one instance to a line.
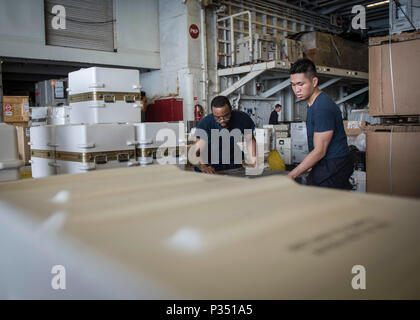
(302,86)
(278,109)
(222,115)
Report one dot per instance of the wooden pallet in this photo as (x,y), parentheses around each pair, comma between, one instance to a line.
(375,41)
(400,120)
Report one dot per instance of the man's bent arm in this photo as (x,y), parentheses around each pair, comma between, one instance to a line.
(321,143)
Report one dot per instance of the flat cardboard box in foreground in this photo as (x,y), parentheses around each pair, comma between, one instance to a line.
(160,232)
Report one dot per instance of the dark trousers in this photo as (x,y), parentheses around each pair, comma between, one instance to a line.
(332,173)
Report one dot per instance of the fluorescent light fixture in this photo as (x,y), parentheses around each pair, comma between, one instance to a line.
(377,4)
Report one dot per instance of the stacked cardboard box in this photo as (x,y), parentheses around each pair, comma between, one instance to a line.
(394,91)
(16,109)
(329,50)
(393,155)
(392,160)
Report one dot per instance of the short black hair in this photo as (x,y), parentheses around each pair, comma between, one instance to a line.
(142,94)
(277,106)
(305,66)
(220,101)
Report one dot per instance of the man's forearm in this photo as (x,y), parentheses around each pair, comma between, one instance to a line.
(310,160)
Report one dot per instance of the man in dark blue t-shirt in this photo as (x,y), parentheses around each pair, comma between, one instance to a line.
(217,136)
(329,161)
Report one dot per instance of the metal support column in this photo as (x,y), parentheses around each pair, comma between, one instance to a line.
(1,92)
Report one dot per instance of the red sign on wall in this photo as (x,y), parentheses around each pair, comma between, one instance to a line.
(194,31)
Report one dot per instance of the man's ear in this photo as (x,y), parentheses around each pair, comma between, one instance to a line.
(315,81)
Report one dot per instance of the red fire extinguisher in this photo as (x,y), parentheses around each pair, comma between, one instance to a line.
(198,112)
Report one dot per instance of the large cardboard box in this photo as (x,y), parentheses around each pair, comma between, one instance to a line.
(405,52)
(329,50)
(16,108)
(393,160)
(153,233)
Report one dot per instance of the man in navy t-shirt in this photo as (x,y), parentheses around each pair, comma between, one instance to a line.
(328,162)
(217,135)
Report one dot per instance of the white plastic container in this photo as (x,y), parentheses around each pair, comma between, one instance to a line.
(9,159)
(99,144)
(42,151)
(153,135)
(58,115)
(116,104)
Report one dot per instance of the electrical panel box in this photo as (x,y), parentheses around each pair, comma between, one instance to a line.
(398,20)
(51,93)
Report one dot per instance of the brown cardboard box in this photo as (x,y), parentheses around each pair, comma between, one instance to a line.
(405,67)
(393,160)
(329,50)
(16,108)
(354,128)
(23,139)
(315,237)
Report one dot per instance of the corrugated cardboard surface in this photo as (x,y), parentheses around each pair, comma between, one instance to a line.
(208,237)
(393,162)
(19,108)
(405,69)
(333,51)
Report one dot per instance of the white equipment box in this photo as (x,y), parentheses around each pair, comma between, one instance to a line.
(299,152)
(104,95)
(9,159)
(51,93)
(155,138)
(298,133)
(286,155)
(284,147)
(283,143)
(299,140)
(81,148)
(265,48)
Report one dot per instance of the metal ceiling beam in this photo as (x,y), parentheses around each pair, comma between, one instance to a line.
(341,5)
(329,83)
(352,95)
(276,88)
(38,69)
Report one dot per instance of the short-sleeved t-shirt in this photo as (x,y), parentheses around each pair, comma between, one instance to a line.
(324,115)
(239,120)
